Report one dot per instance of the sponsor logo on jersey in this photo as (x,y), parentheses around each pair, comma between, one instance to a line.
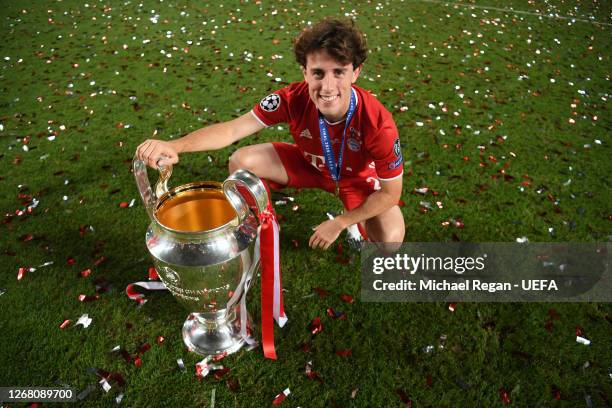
(270,103)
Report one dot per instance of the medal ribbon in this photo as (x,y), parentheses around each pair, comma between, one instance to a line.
(330,160)
(271,290)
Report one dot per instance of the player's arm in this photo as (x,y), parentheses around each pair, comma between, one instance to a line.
(376,203)
(212,137)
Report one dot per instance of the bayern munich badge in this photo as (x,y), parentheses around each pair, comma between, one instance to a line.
(354,144)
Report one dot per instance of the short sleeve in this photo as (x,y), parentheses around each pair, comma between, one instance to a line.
(274,108)
(386,151)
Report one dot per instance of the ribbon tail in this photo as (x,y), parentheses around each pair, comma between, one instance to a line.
(267,288)
(279,309)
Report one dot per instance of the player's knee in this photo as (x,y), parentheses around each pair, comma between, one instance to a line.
(243,159)
(396,234)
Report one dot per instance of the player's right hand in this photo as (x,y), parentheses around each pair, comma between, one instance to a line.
(157,153)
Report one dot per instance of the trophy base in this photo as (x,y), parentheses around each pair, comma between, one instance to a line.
(210,335)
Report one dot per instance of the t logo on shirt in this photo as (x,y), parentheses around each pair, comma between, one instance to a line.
(315,160)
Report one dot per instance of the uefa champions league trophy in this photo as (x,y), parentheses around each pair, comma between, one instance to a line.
(202,240)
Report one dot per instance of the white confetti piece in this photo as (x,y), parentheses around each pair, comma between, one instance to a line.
(84,320)
(582,340)
(105,385)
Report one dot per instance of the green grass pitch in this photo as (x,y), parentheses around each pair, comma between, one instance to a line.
(502,109)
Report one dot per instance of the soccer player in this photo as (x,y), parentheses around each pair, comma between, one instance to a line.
(345,141)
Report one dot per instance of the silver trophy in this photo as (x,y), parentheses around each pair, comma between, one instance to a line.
(202,240)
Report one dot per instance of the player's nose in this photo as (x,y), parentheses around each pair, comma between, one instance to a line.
(327,84)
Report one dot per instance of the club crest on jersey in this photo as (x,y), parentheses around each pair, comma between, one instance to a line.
(354,144)
(270,103)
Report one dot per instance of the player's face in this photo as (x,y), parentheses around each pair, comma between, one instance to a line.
(329,84)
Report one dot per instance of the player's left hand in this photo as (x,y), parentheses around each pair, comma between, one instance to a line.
(326,233)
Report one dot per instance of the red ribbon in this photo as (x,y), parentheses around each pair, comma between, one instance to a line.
(269,255)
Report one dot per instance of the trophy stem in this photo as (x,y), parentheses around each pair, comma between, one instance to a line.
(214,333)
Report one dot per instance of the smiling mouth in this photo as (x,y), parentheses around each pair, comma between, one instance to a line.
(329,98)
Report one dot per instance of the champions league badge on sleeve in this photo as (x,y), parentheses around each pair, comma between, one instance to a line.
(270,103)
(397,150)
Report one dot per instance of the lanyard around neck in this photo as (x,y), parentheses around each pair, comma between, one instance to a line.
(330,160)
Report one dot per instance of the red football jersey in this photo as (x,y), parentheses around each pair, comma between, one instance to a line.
(372,146)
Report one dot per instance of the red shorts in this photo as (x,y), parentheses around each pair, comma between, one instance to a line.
(353,191)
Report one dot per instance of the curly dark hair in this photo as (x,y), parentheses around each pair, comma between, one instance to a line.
(340,38)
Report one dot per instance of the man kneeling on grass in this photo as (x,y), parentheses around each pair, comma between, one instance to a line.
(345,141)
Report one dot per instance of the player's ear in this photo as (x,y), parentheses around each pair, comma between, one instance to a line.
(303,71)
(356,73)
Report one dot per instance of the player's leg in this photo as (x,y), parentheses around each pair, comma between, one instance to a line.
(387,227)
(262,160)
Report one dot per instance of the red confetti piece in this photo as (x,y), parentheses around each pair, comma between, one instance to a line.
(219,373)
(320,291)
(153,274)
(86,298)
(281,397)
(100,260)
(339,249)
(310,373)
(404,397)
(503,394)
(401,203)
(123,204)
(71,261)
(548,326)
(458,224)
(144,348)
(578,331)
(429,380)
(138,362)
(219,357)
(305,347)
(21,272)
(85,273)
(26,237)
(160,339)
(65,324)
(295,243)
(344,353)
(316,326)
(347,298)
(452,307)
(556,393)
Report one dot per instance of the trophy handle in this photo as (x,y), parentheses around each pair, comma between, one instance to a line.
(150,198)
(253,184)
